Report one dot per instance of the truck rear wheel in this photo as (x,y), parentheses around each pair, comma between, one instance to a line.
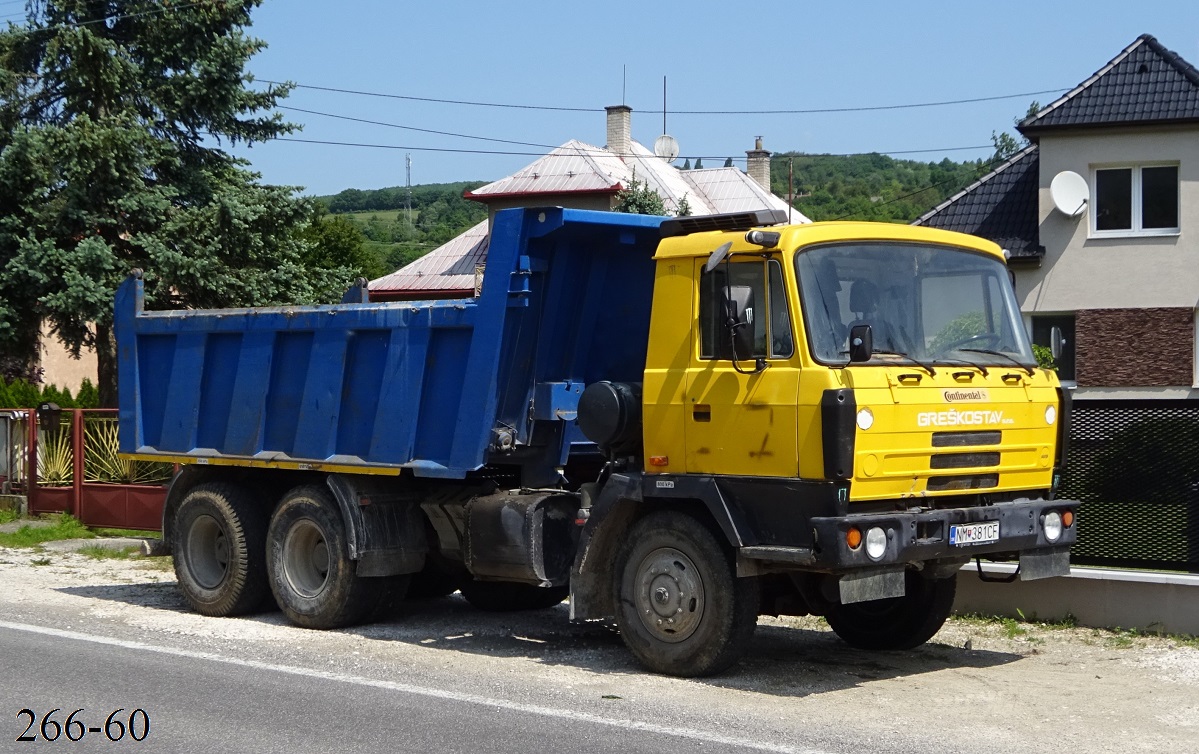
(681,609)
(311,574)
(220,544)
(898,622)
(509,597)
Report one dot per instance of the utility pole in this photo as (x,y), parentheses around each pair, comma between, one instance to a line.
(408,187)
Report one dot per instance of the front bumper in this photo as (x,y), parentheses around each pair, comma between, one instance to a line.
(924,536)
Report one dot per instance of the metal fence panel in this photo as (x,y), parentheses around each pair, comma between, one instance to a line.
(1135,466)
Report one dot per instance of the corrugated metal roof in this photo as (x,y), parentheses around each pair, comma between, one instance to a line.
(573,167)
(730,190)
(1145,83)
(449,267)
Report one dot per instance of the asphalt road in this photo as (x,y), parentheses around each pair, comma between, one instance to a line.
(195,703)
(443,677)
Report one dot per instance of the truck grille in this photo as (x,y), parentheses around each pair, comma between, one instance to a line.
(963,482)
(965,439)
(963,460)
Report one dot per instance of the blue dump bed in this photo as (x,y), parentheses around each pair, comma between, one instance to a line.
(440,387)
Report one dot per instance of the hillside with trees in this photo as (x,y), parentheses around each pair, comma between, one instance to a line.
(870,186)
(392,236)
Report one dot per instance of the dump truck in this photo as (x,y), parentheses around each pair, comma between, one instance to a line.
(678,423)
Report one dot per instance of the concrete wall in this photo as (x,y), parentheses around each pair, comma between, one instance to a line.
(62,369)
(1094,597)
(1081,272)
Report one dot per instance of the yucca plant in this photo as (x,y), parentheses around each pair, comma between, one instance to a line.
(102,463)
(55,462)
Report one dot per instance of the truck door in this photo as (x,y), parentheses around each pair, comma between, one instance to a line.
(741,418)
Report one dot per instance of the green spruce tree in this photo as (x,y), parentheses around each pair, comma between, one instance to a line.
(115,117)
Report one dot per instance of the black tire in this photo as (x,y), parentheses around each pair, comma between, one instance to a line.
(897,622)
(680,608)
(509,597)
(311,574)
(219,542)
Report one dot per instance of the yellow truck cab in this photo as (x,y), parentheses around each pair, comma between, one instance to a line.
(854,408)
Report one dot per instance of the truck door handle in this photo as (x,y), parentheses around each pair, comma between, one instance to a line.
(701,412)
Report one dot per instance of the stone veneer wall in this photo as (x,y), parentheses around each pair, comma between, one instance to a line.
(1135,347)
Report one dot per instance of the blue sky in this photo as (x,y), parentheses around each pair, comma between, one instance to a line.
(763,55)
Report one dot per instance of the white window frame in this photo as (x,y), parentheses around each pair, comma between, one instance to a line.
(1137,205)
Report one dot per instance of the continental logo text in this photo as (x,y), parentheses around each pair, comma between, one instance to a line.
(958,395)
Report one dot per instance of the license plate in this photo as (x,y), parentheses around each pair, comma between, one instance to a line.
(974,534)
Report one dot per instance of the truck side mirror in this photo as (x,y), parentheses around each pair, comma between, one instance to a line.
(739,320)
(1055,342)
(861,344)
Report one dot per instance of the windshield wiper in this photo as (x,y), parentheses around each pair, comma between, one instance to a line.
(993,352)
(931,372)
(964,362)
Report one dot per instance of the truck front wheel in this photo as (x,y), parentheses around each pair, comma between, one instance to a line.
(219,539)
(898,622)
(681,609)
(311,574)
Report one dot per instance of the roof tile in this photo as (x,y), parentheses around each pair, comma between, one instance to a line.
(1145,83)
(1000,206)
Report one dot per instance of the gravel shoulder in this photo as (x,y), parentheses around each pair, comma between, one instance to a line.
(977,686)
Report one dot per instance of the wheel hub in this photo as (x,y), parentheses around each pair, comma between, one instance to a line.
(207,550)
(669,595)
(306,558)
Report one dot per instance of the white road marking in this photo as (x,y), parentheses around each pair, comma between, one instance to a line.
(406,688)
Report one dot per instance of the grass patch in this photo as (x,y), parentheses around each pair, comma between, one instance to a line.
(135,533)
(65,527)
(157,563)
(7,515)
(40,562)
(100,552)
(1012,628)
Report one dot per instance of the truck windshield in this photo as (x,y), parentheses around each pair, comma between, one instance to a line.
(937,304)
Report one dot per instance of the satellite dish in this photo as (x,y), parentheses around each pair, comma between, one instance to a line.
(1070,193)
(666,147)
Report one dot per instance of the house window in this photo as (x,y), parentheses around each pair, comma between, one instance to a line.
(1042,327)
(1139,199)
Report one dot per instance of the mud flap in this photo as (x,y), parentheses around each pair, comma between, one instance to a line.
(871,585)
(1042,564)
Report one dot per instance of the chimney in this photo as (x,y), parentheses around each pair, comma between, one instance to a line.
(758,164)
(620,129)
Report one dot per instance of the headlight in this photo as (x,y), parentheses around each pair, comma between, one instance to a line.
(1050,414)
(865,419)
(1051,524)
(876,542)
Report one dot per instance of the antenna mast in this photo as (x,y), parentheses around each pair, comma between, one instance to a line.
(408,187)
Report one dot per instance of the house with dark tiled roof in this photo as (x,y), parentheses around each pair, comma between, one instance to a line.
(1118,275)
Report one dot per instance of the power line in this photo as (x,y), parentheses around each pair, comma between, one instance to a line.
(576,154)
(106,19)
(808,111)
(413,128)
